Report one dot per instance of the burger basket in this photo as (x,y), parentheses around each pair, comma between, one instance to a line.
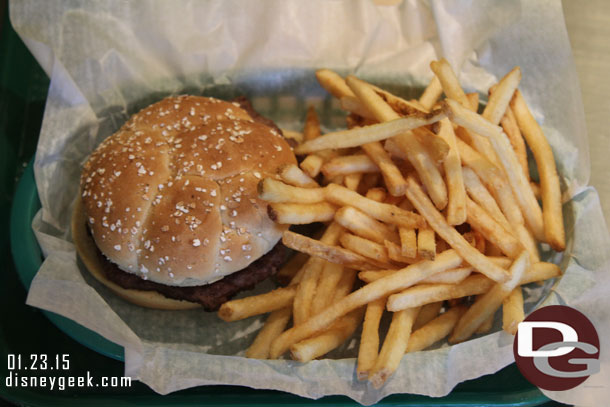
(26,330)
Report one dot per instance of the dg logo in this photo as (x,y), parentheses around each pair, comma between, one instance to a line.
(556,348)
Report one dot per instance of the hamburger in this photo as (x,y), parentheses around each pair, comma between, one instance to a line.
(168,215)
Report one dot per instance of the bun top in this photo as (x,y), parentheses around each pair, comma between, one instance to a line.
(172,195)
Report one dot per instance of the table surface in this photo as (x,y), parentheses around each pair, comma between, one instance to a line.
(588,24)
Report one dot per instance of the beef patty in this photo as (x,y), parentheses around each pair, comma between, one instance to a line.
(210,296)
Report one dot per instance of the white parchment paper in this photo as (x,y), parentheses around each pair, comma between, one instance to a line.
(108,59)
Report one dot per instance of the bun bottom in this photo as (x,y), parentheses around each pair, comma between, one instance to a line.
(88,253)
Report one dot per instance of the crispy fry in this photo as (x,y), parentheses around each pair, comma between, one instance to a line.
(516,178)
(363,225)
(436,146)
(511,128)
(431,94)
(427,313)
(333,83)
(479,194)
(489,302)
(327,283)
(312,165)
(328,252)
(235,310)
(482,222)
(391,174)
(473,98)
(554,232)
(405,278)
(449,82)
(408,242)
(351,181)
(390,214)
(394,346)
(435,330)
(300,214)
(453,276)
(349,164)
(353,105)
(272,190)
(293,135)
(301,306)
(456,206)
(323,343)
(512,311)
(311,130)
(345,285)
(450,235)
(473,285)
(293,175)
(426,244)
(365,247)
(275,324)
(369,340)
(376,194)
(486,326)
(358,136)
(501,96)
(493,179)
(395,253)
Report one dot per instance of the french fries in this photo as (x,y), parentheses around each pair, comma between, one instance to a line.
(428,203)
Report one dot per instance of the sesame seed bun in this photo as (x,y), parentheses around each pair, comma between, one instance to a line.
(172,197)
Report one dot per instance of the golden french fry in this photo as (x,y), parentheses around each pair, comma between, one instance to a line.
(482,222)
(554,233)
(363,225)
(456,206)
(431,94)
(401,106)
(511,128)
(293,175)
(487,305)
(365,247)
(323,343)
(427,313)
(449,82)
(275,324)
(301,214)
(311,130)
(405,278)
(486,326)
(473,98)
(435,330)
(453,276)
(391,174)
(520,185)
(369,340)
(376,194)
(479,194)
(327,284)
(272,190)
(391,214)
(395,253)
(358,136)
(512,311)
(408,242)
(353,105)
(437,222)
(333,83)
(345,285)
(426,243)
(394,346)
(331,253)
(493,179)
(473,285)
(242,308)
(536,190)
(312,165)
(436,146)
(351,181)
(501,96)
(304,292)
(349,164)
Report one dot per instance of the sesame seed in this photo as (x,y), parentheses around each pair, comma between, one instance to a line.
(196,242)
(117,247)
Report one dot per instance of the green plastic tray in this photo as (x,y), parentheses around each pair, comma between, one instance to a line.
(25,330)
